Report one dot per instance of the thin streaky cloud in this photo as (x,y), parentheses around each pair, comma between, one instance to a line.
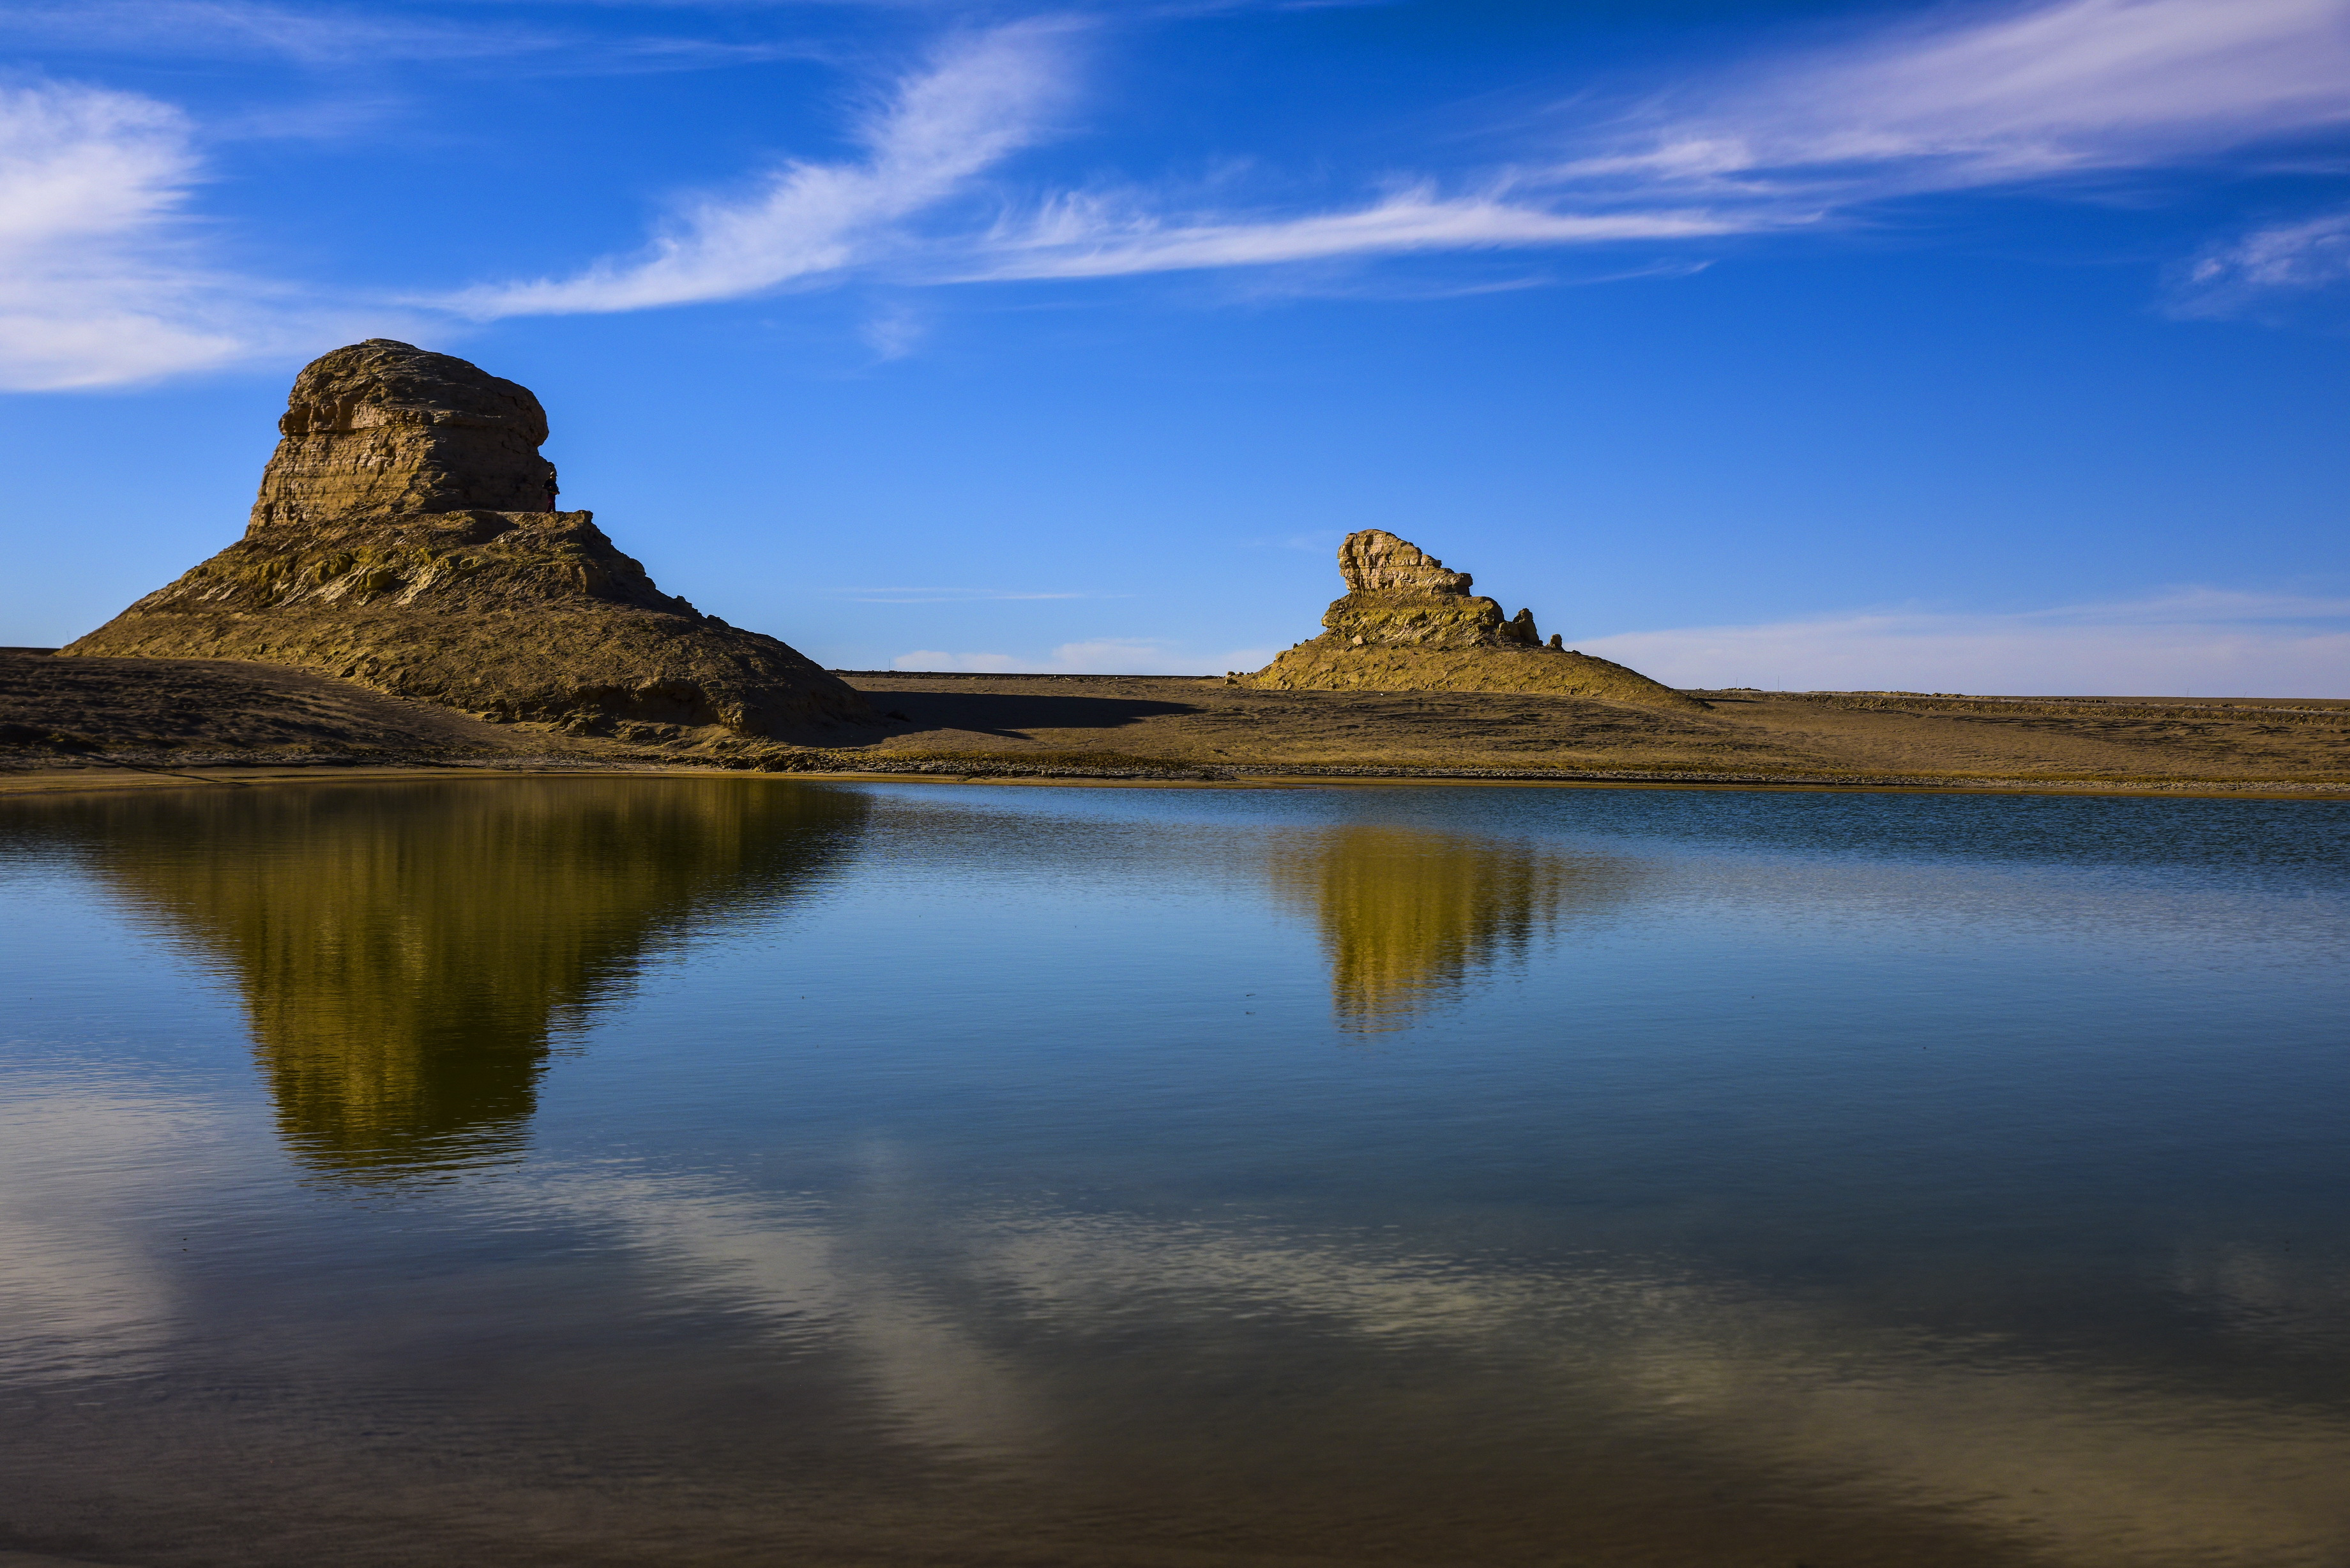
(981,99)
(107,285)
(893,334)
(2025,93)
(1075,243)
(216,28)
(103,280)
(342,36)
(1336,280)
(1967,99)
(2257,269)
(98,283)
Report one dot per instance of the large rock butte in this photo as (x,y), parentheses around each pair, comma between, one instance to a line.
(406,538)
(1410,624)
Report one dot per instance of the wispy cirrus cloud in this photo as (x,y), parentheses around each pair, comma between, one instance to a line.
(1086,238)
(237,29)
(340,37)
(102,279)
(97,281)
(982,99)
(2021,93)
(2268,267)
(1963,99)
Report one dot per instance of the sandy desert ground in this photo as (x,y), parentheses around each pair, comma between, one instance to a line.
(89,718)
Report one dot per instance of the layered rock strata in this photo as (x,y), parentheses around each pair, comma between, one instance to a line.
(1407,623)
(383,427)
(405,538)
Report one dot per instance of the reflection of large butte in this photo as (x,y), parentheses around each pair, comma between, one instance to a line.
(407,953)
(1409,917)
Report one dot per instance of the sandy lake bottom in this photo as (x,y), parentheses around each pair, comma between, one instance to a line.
(734,1170)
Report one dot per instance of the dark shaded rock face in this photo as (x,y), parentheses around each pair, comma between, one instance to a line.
(405,538)
(1407,623)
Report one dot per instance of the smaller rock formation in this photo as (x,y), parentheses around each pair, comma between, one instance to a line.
(1407,623)
(406,538)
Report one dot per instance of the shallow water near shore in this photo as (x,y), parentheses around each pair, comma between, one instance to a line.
(736,1170)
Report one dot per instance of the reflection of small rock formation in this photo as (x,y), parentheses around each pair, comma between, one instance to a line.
(1408,624)
(406,537)
(1409,917)
(407,953)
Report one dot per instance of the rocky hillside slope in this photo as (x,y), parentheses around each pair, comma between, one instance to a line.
(1408,624)
(405,537)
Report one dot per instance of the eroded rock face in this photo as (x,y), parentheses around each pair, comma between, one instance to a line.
(405,538)
(1398,596)
(1410,624)
(1374,561)
(387,426)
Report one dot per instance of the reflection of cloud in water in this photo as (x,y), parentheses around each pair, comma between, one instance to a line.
(985,1333)
(1409,917)
(1060,1348)
(80,1165)
(407,952)
(930,1374)
(2263,1294)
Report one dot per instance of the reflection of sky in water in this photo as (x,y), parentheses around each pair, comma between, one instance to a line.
(1097,1176)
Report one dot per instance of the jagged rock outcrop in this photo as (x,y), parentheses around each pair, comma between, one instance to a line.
(405,538)
(1410,624)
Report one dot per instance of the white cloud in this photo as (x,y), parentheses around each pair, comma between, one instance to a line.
(980,100)
(1082,239)
(1968,99)
(2024,93)
(2284,259)
(2195,642)
(341,38)
(1101,656)
(239,28)
(102,282)
(894,334)
(94,285)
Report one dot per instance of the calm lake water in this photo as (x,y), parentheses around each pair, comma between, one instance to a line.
(731,1170)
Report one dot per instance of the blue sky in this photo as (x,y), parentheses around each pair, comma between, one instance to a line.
(1949,347)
